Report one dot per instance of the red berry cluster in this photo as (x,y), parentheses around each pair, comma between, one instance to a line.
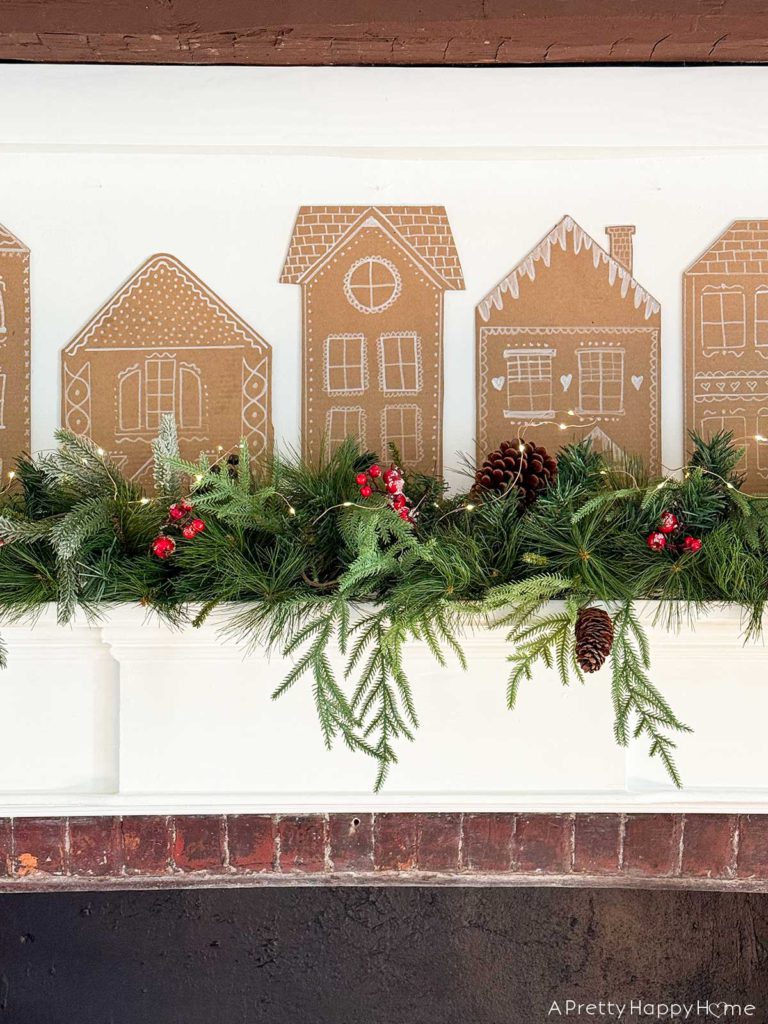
(390,482)
(669,534)
(179,516)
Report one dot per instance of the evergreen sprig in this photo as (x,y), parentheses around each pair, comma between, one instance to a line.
(299,563)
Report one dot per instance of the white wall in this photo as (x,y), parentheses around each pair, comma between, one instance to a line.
(102,166)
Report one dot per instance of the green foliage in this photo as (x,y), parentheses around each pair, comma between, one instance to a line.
(301,564)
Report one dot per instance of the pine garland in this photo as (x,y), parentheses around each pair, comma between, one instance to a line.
(314,569)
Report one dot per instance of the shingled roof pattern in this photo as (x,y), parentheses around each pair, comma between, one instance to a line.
(164,303)
(9,242)
(742,249)
(424,228)
(567,235)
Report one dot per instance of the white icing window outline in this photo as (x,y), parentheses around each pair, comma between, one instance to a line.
(2,306)
(335,438)
(190,376)
(355,283)
(3,382)
(529,382)
(603,370)
(405,361)
(761,315)
(708,318)
(359,365)
(126,377)
(762,446)
(159,389)
(711,422)
(414,431)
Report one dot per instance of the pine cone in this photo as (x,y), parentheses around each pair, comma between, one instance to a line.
(594,638)
(516,465)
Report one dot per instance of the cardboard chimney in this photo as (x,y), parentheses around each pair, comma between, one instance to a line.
(372,282)
(568,347)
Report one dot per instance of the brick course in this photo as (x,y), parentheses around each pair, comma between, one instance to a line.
(724,851)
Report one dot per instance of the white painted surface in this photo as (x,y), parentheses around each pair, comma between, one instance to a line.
(131,715)
(102,166)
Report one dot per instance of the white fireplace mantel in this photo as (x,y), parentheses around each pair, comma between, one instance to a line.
(129,715)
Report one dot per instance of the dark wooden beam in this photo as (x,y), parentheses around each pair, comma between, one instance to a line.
(429,32)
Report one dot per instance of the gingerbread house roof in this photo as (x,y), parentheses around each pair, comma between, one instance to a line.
(423,229)
(9,242)
(741,249)
(163,303)
(568,236)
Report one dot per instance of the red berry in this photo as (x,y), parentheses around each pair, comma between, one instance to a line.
(656,541)
(365,492)
(399,501)
(176,512)
(189,532)
(692,544)
(198,525)
(163,546)
(404,513)
(375,470)
(393,487)
(186,506)
(361,479)
(668,522)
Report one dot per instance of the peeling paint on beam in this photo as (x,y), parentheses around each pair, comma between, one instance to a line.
(452,32)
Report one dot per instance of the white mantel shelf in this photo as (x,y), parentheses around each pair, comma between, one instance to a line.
(128,716)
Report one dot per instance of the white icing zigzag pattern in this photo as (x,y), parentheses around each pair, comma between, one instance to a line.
(560,235)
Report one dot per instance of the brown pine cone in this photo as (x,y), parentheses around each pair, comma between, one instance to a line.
(517,466)
(594,638)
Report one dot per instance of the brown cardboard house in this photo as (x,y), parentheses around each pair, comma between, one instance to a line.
(725,325)
(569,336)
(164,343)
(14,349)
(372,281)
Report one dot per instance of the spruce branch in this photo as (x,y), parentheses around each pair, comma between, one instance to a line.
(165,458)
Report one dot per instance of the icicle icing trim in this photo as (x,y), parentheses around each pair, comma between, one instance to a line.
(559,235)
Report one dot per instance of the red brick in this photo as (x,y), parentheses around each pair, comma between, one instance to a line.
(198,844)
(302,843)
(6,848)
(708,847)
(39,845)
(651,844)
(753,846)
(395,842)
(597,843)
(251,842)
(146,844)
(438,842)
(351,840)
(542,843)
(94,846)
(487,842)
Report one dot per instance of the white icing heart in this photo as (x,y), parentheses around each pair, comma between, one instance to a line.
(637,381)
(498,382)
(565,380)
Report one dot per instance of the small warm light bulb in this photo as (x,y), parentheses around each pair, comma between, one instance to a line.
(603,472)
(346,504)
(219,447)
(11,474)
(571,412)
(198,477)
(470,508)
(291,510)
(521,449)
(435,504)
(759,437)
(99,451)
(143,501)
(563,426)
(730,487)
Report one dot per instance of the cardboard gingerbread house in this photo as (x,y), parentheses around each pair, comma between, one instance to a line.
(372,282)
(725,324)
(165,343)
(14,349)
(570,337)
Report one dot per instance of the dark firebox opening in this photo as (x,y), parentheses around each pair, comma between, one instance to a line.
(371,955)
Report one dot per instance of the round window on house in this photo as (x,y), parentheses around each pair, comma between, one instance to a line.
(372,284)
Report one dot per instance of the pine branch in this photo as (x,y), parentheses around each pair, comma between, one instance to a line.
(165,456)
